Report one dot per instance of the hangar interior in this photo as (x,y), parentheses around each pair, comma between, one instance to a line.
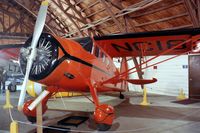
(169,104)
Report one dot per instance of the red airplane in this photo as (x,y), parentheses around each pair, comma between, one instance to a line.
(86,64)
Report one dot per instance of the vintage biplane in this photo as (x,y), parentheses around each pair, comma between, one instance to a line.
(86,64)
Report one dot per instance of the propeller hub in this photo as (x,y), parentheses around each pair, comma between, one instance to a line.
(45,56)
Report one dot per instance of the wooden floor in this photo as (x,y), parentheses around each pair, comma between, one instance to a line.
(162,116)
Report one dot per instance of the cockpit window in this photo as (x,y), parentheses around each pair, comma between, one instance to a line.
(85,42)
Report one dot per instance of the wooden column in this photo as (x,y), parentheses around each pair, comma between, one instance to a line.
(39,118)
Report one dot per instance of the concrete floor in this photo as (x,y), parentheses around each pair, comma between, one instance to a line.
(162,116)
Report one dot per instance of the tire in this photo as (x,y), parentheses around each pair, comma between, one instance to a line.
(31,119)
(103,127)
(121,96)
(12,88)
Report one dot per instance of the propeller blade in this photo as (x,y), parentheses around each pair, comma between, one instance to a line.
(40,22)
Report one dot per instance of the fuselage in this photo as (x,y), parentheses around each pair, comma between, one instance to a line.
(73,66)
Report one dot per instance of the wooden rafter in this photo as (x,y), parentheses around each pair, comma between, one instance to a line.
(121,28)
(95,17)
(193,9)
(69,16)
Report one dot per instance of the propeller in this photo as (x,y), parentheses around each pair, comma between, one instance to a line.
(40,22)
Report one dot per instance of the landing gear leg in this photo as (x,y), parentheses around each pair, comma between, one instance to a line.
(103,114)
(121,96)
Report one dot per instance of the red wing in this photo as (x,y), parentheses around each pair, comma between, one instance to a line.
(146,44)
(10,51)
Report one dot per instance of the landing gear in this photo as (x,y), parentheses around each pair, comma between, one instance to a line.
(31,114)
(121,96)
(103,114)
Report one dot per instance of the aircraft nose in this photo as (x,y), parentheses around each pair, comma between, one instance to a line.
(46,56)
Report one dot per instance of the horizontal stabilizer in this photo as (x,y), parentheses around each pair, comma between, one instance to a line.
(141,81)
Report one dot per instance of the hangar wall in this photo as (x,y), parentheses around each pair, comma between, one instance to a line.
(172,76)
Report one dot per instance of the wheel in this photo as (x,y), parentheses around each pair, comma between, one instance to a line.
(103,127)
(121,96)
(31,119)
(12,88)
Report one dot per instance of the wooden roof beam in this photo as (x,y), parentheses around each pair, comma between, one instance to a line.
(130,9)
(198,10)
(96,12)
(117,4)
(30,12)
(18,19)
(161,20)
(75,24)
(80,1)
(112,15)
(193,11)
(157,10)
(82,17)
(90,5)
(59,23)
(179,27)
(76,11)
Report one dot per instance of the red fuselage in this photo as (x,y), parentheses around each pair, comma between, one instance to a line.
(77,66)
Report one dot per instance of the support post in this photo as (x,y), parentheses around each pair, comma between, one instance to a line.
(181,95)
(13,124)
(14,127)
(144,101)
(8,103)
(39,118)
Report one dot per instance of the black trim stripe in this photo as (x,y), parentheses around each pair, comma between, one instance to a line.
(191,31)
(68,56)
(87,64)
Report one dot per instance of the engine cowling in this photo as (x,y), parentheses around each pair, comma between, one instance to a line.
(46,57)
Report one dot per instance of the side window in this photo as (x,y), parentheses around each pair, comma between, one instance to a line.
(93,49)
(96,51)
(107,61)
(102,56)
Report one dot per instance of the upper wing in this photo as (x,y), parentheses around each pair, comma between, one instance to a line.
(10,51)
(147,43)
(10,47)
